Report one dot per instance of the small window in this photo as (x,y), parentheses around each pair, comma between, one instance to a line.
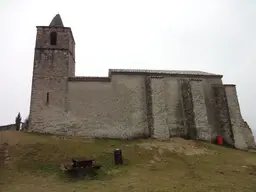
(53,38)
(47,98)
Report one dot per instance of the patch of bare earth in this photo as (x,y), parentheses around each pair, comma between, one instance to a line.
(176,145)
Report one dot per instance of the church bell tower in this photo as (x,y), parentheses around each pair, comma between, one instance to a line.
(54,62)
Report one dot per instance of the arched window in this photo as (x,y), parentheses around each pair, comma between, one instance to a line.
(47,98)
(53,38)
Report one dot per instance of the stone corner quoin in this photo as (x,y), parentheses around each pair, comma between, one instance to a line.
(129,103)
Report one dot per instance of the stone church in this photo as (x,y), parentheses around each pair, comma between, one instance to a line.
(128,103)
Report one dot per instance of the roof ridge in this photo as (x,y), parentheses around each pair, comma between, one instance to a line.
(177,72)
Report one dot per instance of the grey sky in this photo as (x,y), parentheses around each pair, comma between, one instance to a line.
(217,36)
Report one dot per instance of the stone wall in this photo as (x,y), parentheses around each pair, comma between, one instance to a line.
(222,115)
(50,78)
(149,106)
(159,113)
(115,109)
(187,104)
(56,121)
(140,106)
(236,119)
(53,64)
(199,109)
(175,117)
(210,104)
(11,127)
(248,135)
(64,38)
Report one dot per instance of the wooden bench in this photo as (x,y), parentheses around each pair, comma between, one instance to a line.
(82,163)
(83,167)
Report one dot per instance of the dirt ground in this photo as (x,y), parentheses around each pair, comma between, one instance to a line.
(176,145)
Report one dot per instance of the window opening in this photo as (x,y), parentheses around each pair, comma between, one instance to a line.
(53,38)
(47,98)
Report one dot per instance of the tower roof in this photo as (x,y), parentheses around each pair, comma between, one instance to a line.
(56,21)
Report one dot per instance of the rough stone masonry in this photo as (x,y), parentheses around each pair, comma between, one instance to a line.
(128,103)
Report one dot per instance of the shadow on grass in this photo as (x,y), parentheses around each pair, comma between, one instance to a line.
(108,170)
(32,162)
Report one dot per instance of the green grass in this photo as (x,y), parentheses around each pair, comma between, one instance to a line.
(36,159)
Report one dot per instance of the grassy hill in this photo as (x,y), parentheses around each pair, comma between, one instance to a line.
(150,165)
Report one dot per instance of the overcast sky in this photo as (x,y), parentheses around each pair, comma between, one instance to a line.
(217,36)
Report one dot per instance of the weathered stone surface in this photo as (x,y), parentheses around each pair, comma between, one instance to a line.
(187,104)
(249,138)
(53,64)
(210,104)
(159,113)
(149,105)
(222,114)
(199,109)
(175,119)
(237,122)
(115,109)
